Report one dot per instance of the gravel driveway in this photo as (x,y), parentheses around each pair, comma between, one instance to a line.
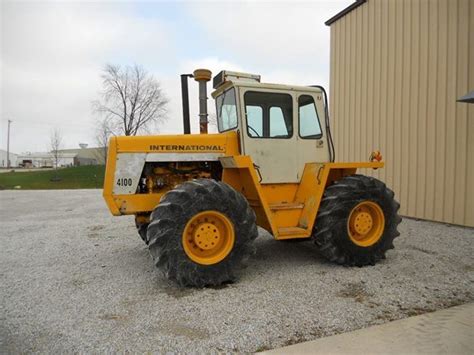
(74,278)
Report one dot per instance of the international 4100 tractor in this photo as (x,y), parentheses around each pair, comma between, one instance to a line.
(198,198)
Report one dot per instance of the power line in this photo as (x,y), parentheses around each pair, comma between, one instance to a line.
(8,145)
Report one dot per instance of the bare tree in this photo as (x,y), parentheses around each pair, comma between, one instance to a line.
(55,145)
(132,99)
(104,131)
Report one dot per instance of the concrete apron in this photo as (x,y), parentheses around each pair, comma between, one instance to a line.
(449,331)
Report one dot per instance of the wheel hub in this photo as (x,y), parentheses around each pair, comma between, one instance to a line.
(206,236)
(363,223)
(366,224)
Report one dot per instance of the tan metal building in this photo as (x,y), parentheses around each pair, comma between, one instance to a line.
(397,69)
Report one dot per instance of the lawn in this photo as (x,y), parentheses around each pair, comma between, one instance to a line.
(80,177)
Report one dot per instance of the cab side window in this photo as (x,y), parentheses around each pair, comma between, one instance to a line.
(254,120)
(278,126)
(226,111)
(309,126)
(269,115)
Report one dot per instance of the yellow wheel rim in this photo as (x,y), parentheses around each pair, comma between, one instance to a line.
(208,237)
(366,224)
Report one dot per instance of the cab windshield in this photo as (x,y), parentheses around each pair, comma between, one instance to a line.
(226,111)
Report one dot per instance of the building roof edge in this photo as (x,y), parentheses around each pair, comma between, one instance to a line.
(344,12)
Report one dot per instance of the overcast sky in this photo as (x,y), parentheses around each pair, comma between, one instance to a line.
(52,54)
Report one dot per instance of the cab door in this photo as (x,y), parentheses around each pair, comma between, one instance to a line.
(269,134)
(311,142)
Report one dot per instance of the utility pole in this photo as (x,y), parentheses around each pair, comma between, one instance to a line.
(8,145)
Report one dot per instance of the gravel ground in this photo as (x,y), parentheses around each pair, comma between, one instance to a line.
(74,278)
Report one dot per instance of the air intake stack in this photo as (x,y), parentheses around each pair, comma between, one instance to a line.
(202,76)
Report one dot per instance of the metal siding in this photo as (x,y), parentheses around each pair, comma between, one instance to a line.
(432,107)
(397,133)
(469,203)
(370,78)
(364,147)
(331,72)
(411,205)
(390,84)
(377,79)
(451,112)
(404,137)
(397,68)
(352,88)
(384,88)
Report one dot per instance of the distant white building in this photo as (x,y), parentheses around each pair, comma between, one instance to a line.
(67,157)
(87,156)
(45,160)
(3,159)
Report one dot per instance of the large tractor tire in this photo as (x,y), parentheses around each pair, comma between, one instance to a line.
(141,229)
(357,221)
(201,232)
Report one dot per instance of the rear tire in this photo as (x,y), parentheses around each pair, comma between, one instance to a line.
(177,209)
(333,233)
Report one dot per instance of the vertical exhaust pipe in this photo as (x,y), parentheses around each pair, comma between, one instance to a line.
(202,76)
(185,98)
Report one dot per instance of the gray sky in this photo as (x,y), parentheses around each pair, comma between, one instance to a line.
(52,54)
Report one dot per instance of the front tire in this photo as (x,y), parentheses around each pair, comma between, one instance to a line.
(141,229)
(357,221)
(201,232)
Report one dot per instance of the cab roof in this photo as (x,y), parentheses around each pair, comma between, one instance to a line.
(258,85)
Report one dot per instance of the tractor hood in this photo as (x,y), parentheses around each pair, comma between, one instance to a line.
(127,157)
(224,144)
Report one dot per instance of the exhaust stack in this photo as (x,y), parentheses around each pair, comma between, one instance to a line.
(185,98)
(202,76)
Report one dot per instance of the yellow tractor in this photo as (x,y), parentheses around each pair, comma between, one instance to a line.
(198,198)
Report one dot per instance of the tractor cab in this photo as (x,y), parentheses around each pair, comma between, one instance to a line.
(282,127)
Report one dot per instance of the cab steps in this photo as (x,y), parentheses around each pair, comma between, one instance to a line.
(292,232)
(286,206)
